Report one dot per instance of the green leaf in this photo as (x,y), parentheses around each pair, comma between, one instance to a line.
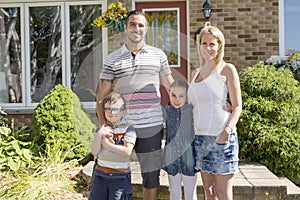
(4,131)
(27,154)
(12,164)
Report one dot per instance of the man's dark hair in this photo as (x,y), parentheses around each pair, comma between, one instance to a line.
(134,12)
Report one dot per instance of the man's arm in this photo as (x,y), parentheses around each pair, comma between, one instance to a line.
(166,81)
(104,89)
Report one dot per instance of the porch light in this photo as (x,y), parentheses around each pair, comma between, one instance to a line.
(206,8)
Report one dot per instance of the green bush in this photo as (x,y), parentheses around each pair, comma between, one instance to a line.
(3,118)
(59,117)
(269,131)
(49,177)
(15,154)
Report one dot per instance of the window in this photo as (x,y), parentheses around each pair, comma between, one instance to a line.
(45,44)
(11,71)
(164,23)
(289,14)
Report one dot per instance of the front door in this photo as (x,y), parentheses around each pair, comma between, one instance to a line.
(167,23)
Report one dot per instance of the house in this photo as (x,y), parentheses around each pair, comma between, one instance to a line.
(48,42)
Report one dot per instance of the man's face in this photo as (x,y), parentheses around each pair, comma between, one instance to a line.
(136,28)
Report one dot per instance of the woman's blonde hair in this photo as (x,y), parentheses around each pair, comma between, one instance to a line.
(216,33)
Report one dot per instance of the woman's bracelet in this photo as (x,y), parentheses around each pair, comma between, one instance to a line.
(231,128)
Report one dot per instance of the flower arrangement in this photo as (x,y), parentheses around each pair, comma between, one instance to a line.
(291,61)
(113,18)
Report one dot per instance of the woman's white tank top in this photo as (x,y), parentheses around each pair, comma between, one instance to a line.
(208,98)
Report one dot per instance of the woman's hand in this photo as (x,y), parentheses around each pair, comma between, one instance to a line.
(224,136)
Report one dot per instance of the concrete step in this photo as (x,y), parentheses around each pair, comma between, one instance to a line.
(253,182)
(293,191)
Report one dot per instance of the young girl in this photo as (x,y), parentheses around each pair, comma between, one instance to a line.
(179,160)
(112,148)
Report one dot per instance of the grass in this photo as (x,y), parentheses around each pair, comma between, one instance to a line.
(49,178)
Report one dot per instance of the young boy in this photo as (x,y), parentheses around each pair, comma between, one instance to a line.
(112,147)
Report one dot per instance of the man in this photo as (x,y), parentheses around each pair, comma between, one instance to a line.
(136,71)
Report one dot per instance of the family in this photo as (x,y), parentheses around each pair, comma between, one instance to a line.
(200,127)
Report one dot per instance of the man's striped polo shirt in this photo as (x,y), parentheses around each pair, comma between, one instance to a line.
(137,78)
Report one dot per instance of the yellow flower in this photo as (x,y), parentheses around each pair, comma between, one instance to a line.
(113,17)
(99,22)
(112,6)
(119,5)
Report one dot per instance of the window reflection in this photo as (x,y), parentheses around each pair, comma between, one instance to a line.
(10,56)
(86,48)
(163,32)
(292,30)
(45,50)
(55,51)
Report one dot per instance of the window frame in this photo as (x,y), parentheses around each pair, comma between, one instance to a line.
(28,100)
(17,106)
(27,106)
(281,24)
(281,28)
(88,105)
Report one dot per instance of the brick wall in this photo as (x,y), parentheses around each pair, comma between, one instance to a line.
(250,28)
(17,121)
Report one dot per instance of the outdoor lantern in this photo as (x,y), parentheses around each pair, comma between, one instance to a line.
(206,9)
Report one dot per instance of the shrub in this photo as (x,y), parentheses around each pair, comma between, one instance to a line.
(269,130)
(59,117)
(15,154)
(290,61)
(3,118)
(49,177)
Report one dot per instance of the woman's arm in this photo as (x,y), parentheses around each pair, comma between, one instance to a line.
(233,84)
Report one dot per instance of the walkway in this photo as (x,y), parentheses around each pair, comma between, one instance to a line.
(253,182)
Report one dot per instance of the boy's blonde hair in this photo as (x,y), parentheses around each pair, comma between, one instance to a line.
(113,98)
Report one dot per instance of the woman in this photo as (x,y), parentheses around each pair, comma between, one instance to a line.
(216,142)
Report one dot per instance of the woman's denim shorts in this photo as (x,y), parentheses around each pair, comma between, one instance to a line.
(216,158)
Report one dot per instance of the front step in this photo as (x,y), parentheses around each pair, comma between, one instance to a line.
(253,182)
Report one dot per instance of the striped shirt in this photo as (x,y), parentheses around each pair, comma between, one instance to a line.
(108,158)
(137,78)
